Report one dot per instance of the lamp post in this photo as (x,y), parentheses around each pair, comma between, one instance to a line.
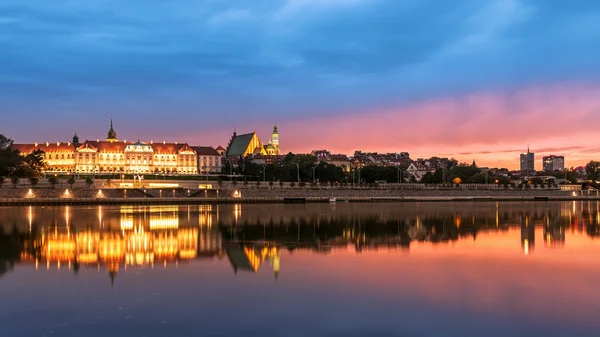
(264,172)
(298,166)
(398,167)
(313,169)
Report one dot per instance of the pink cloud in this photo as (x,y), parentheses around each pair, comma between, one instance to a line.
(491,127)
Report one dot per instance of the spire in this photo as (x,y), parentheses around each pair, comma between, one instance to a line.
(111,135)
(75,138)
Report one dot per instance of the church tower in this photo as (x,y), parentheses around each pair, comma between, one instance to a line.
(275,139)
(111,135)
(75,139)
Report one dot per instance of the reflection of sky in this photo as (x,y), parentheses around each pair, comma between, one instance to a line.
(468,287)
(461,289)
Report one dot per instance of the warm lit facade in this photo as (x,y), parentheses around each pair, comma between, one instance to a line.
(248,144)
(58,156)
(114,156)
(209,159)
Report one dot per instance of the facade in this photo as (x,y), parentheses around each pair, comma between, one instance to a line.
(248,144)
(209,159)
(418,170)
(340,160)
(58,156)
(553,163)
(528,162)
(114,156)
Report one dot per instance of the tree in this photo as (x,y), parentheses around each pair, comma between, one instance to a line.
(9,159)
(592,170)
(71,181)
(258,184)
(271,184)
(31,165)
(281,184)
(53,181)
(14,181)
(33,181)
(292,184)
(89,181)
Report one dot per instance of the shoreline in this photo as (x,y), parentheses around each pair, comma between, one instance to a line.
(281,200)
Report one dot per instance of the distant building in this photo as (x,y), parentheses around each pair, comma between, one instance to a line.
(528,162)
(209,159)
(418,170)
(340,160)
(553,163)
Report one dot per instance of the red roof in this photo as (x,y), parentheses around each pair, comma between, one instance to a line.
(205,151)
(46,147)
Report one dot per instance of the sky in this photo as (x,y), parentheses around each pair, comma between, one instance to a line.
(470,79)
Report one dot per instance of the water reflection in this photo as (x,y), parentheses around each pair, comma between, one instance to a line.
(117,238)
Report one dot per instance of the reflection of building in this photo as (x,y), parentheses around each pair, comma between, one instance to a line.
(250,258)
(554,236)
(527,236)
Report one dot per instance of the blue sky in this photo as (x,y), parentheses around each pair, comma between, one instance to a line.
(185,68)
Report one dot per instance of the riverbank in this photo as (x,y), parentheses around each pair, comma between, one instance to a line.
(24,197)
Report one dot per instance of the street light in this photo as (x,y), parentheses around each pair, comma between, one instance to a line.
(298,166)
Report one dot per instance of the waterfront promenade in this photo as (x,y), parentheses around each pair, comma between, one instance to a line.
(181,196)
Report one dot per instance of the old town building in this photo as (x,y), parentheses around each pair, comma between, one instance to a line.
(114,156)
(248,144)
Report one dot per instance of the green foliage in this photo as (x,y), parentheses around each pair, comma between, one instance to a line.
(33,181)
(9,160)
(53,181)
(71,181)
(592,169)
(467,173)
(14,181)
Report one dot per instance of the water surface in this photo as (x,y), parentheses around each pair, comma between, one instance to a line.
(429,269)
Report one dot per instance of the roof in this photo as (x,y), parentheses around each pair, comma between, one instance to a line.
(239,144)
(338,157)
(205,151)
(220,148)
(46,147)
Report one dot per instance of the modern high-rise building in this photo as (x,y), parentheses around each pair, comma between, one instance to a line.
(528,162)
(553,163)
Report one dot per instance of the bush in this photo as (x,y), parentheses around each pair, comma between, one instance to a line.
(53,181)
(33,181)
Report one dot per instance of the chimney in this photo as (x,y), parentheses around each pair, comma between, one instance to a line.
(47,144)
(57,143)
(35,144)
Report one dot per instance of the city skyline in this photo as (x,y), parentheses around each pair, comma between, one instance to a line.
(464,79)
(512,166)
